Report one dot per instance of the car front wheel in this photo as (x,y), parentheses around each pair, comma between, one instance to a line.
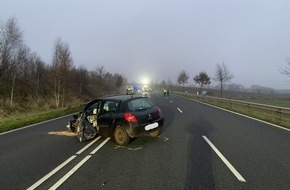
(121,136)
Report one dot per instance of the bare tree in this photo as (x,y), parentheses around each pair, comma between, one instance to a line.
(164,84)
(19,70)
(286,69)
(81,79)
(222,74)
(10,41)
(119,81)
(98,76)
(202,79)
(62,64)
(38,76)
(182,78)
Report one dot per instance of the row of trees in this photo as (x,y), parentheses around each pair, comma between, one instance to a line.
(25,79)
(222,75)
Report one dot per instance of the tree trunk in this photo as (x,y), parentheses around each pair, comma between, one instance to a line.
(221,89)
(57,93)
(12,90)
(63,93)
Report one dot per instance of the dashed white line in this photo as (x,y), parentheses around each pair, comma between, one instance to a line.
(228,164)
(243,115)
(179,110)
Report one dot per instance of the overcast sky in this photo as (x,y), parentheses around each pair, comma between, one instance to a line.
(157,39)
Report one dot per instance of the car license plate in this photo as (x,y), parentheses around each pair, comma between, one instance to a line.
(151,126)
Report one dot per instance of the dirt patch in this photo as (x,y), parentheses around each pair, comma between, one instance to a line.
(63,133)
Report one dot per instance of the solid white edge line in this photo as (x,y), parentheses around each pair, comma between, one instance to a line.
(39,182)
(74,169)
(227,163)
(274,125)
(179,110)
(100,146)
(32,125)
(83,149)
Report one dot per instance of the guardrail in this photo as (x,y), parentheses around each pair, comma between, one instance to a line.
(273,114)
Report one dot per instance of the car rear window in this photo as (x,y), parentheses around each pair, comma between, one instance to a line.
(140,104)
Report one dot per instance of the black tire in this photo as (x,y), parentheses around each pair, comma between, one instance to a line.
(121,136)
(155,133)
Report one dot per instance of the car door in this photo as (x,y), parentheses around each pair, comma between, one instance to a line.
(108,112)
(92,111)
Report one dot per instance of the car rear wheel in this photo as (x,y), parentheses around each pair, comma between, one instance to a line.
(121,136)
(155,133)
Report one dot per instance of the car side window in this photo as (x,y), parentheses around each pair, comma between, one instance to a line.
(110,106)
(94,108)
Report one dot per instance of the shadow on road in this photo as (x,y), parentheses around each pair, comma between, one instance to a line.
(168,116)
(199,157)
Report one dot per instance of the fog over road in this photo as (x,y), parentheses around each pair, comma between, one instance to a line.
(201,147)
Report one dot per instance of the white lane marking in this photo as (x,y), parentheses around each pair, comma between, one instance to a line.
(179,110)
(274,125)
(100,146)
(65,177)
(74,169)
(83,149)
(39,182)
(32,125)
(228,164)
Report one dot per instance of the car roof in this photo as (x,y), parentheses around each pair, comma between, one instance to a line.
(121,97)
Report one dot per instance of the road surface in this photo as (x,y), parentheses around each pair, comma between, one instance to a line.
(201,147)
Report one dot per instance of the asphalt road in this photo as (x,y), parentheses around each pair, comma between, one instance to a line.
(201,147)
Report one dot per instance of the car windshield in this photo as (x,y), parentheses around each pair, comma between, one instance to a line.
(140,104)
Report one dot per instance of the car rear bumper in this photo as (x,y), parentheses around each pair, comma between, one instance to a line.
(135,131)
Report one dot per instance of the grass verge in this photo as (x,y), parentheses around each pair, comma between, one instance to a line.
(32,118)
(279,103)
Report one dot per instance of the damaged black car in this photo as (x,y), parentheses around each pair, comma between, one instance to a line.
(122,117)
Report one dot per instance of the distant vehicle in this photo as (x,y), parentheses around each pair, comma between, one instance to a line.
(146,91)
(123,117)
(129,90)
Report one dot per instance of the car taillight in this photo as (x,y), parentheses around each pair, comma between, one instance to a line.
(130,117)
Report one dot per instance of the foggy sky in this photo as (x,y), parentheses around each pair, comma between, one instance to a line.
(158,39)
